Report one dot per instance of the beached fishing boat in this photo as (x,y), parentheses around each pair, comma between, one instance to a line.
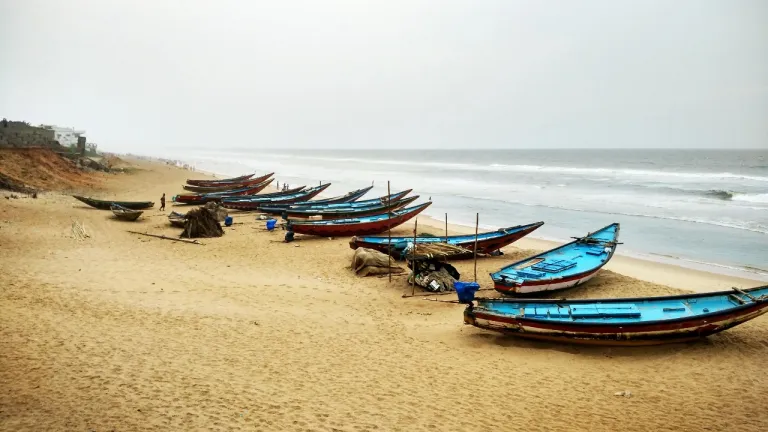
(177,219)
(217,196)
(106,205)
(355,226)
(563,267)
(257,201)
(487,242)
(321,204)
(340,212)
(620,321)
(267,195)
(125,214)
(227,186)
(348,197)
(221,182)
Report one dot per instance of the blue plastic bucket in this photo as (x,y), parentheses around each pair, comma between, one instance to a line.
(271,224)
(228,221)
(466,290)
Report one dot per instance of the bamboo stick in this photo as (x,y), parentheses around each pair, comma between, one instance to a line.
(167,238)
(477,224)
(446,227)
(389,234)
(413,256)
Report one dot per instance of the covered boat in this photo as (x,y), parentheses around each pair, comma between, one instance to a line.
(563,267)
(222,182)
(125,214)
(177,219)
(620,321)
(256,202)
(339,212)
(217,196)
(487,242)
(227,186)
(106,204)
(322,204)
(355,226)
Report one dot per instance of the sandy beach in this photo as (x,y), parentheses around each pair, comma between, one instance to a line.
(127,333)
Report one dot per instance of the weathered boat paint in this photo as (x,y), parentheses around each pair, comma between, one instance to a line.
(648,321)
(564,267)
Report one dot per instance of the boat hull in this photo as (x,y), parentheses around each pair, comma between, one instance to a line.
(340,214)
(255,205)
(206,198)
(361,228)
(624,334)
(529,287)
(221,182)
(107,205)
(227,187)
(484,245)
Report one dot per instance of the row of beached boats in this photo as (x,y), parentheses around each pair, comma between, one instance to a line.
(623,321)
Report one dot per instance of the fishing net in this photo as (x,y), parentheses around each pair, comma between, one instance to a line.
(201,223)
(436,251)
(369,262)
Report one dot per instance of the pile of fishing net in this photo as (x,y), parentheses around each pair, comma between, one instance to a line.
(434,276)
(217,210)
(436,251)
(201,223)
(370,262)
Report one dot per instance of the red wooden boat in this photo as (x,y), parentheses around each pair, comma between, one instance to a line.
(226,182)
(226,187)
(205,198)
(356,226)
(255,202)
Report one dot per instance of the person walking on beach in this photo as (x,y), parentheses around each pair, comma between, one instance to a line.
(162,202)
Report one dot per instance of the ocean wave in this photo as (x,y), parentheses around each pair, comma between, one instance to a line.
(718,194)
(629,172)
(746,226)
(761,198)
(499,167)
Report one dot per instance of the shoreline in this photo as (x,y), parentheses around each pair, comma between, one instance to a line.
(708,280)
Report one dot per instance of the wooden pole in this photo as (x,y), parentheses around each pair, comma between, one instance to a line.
(413,256)
(166,238)
(446,228)
(389,235)
(477,224)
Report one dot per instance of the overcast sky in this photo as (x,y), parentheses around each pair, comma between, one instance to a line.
(143,75)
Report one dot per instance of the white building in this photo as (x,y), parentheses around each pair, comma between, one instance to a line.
(65,136)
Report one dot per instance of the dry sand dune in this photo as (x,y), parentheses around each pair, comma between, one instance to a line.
(126,333)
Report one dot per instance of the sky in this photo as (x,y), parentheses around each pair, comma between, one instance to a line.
(145,75)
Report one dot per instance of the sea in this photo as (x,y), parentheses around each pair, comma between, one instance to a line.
(705,209)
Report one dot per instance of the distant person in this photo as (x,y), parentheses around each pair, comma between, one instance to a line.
(162,202)
(278,184)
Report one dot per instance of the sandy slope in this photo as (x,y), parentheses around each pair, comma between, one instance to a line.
(121,332)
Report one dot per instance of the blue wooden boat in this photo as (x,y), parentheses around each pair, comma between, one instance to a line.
(621,321)
(355,226)
(563,267)
(348,197)
(487,242)
(338,212)
(256,201)
(353,204)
